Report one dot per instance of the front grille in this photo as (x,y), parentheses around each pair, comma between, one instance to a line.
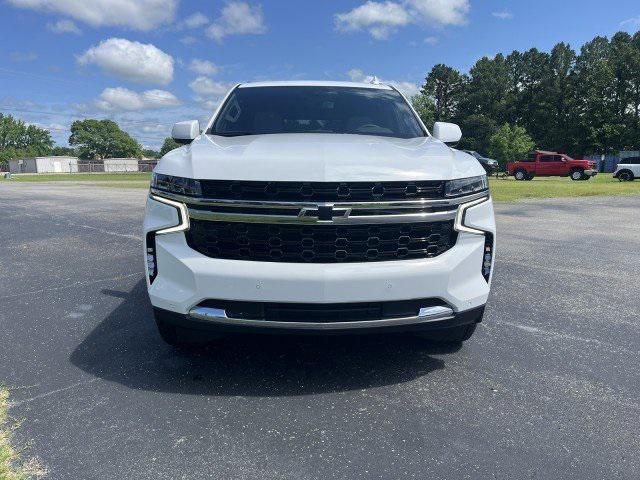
(321,313)
(322,191)
(320,243)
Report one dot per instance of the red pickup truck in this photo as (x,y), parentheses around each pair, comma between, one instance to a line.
(550,164)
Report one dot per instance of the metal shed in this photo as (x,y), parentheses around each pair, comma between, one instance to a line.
(51,164)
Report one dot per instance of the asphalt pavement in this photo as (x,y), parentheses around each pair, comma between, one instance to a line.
(549,386)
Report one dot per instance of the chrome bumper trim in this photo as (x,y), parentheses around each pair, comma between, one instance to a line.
(219,316)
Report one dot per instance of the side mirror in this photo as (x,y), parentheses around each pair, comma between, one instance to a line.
(447,132)
(185,132)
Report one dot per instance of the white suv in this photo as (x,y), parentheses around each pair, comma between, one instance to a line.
(318,207)
(628,169)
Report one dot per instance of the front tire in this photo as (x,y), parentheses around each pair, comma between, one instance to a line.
(520,175)
(576,175)
(625,176)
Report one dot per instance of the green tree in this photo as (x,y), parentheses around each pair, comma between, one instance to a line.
(476,132)
(527,103)
(425,108)
(64,151)
(168,145)
(634,87)
(510,143)
(485,93)
(99,139)
(578,103)
(150,153)
(444,85)
(17,139)
(558,129)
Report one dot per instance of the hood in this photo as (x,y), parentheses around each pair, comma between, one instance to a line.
(318,158)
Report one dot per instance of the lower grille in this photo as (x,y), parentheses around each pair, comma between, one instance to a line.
(320,243)
(321,313)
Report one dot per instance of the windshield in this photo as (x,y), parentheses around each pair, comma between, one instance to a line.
(361,111)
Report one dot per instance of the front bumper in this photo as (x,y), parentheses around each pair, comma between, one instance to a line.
(185,278)
(591,172)
(399,325)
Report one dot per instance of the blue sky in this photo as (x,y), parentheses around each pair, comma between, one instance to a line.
(149,63)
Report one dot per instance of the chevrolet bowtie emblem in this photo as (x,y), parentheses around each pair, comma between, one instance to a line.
(325,212)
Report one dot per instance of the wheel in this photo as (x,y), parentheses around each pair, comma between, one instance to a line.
(576,175)
(529,177)
(520,175)
(625,176)
(450,335)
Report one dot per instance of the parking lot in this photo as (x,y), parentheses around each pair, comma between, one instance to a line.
(547,388)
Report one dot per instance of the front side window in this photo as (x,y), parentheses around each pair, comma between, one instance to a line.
(302,109)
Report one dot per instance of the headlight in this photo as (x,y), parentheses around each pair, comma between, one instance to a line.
(180,185)
(465,186)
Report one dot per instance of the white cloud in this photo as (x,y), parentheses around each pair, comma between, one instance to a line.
(443,12)
(205,87)
(431,40)
(631,23)
(188,40)
(194,20)
(155,128)
(135,14)
(504,15)
(23,56)
(203,67)
(52,127)
(407,88)
(381,19)
(138,62)
(123,99)
(238,18)
(64,26)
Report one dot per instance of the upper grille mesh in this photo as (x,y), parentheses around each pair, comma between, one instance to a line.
(322,191)
(320,243)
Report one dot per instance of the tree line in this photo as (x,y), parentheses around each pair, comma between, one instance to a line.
(579,103)
(90,140)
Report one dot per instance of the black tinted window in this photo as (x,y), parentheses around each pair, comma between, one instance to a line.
(631,161)
(364,111)
(547,158)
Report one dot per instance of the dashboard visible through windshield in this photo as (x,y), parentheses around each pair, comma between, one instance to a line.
(316,109)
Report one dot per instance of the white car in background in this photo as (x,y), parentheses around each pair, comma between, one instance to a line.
(628,169)
(318,207)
